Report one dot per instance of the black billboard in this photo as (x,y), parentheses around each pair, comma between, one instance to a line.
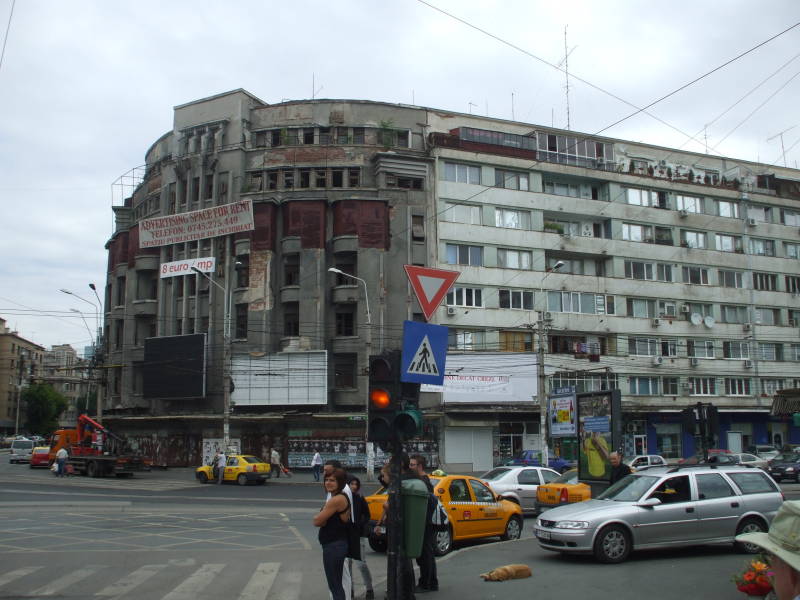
(175,366)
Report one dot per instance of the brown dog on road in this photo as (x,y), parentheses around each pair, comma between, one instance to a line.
(507,572)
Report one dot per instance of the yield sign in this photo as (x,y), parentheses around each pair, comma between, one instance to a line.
(430,286)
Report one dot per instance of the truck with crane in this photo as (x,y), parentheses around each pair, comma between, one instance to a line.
(96,451)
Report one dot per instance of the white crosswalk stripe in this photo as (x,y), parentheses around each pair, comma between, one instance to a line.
(16,574)
(289,588)
(195,583)
(64,582)
(130,581)
(261,582)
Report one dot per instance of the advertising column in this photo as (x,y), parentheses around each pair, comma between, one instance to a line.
(599,420)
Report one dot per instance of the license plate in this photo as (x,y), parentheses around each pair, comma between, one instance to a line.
(543,535)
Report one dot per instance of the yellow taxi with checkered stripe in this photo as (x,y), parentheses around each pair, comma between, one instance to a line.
(474,511)
(241,468)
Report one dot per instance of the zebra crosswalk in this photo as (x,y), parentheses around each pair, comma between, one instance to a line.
(266,581)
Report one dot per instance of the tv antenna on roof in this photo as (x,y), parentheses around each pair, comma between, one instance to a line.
(783,150)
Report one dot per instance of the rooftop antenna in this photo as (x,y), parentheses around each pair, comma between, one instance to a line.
(512,106)
(470,105)
(314,90)
(413,101)
(566,72)
(783,150)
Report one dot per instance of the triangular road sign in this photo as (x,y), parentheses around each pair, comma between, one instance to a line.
(430,286)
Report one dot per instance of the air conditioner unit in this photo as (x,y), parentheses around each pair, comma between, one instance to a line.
(657,361)
(747,326)
(751,222)
(748,364)
(686,309)
(694,361)
(683,212)
(656,322)
(547,316)
(451,310)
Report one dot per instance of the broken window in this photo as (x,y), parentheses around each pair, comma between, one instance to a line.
(337,178)
(243,271)
(305,178)
(342,136)
(308,136)
(418,228)
(324,135)
(274,137)
(261,139)
(358,135)
(256,182)
(288,178)
(272,180)
(291,137)
(321,178)
(354,177)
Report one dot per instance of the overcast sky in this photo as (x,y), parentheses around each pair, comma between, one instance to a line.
(87,87)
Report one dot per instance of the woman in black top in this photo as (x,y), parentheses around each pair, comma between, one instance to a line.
(332,521)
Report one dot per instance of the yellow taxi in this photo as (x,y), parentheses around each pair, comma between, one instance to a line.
(241,468)
(563,490)
(474,511)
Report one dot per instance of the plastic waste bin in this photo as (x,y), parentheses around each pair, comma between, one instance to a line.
(414,494)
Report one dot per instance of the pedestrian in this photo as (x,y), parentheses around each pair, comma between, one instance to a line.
(316,464)
(361,511)
(328,469)
(426,561)
(220,458)
(61,461)
(275,460)
(782,543)
(333,521)
(618,468)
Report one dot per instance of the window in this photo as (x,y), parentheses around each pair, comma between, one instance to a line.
(243,271)
(208,187)
(693,239)
(320,178)
(405,183)
(733,314)
(737,386)
(324,136)
(767,316)
(462,173)
(515,299)
(580,302)
(344,371)
(791,250)
(792,284)
(345,321)
(761,247)
(691,204)
(765,281)
(272,180)
(756,482)
(418,228)
(638,197)
(358,135)
(641,308)
(648,271)
(790,217)
(700,348)
(669,347)
(704,310)
(735,349)
(794,354)
(769,351)
(669,386)
(762,214)
(222,188)
(308,135)
(291,319)
(637,233)
(461,213)
(461,254)
(667,308)
(337,178)
(702,386)
(513,259)
(354,177)
(304,181)
(195,189)
(727,209)
(516,341)
(731,279)
(711,486)
(291,269)
(728,243)
(644,346)
(644,386)
(562,189)
(464,296)
(512,219)
(461,339)
(288,178)
(770,386)
(695,275)
(342,136)
(511,180)
(241,322)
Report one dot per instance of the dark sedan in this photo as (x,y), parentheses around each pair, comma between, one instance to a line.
(785,466)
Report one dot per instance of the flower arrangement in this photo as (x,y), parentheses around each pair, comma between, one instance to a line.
(756,579)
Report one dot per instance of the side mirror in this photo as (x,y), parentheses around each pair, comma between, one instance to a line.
(649,503)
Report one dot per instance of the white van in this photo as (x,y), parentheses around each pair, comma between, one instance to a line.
(21,451)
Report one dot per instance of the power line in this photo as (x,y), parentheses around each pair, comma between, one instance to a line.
(8,28)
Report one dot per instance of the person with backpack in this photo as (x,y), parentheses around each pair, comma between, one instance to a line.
(361,509)
(428,580)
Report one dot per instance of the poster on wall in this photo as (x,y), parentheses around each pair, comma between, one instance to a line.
(561,412)
(598,425)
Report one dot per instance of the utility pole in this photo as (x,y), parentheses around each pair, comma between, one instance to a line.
(541,326)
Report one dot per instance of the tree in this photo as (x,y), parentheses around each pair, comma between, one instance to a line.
(43,407)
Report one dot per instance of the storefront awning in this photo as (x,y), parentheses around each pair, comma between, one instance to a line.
(786,402)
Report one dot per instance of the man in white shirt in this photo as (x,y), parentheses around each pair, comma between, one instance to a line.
(61,461)
(220,466)
(316,464)
(275,459)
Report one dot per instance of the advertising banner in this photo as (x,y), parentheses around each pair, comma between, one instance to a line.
(561,409)
(184,267)
(196,224)
(599,414)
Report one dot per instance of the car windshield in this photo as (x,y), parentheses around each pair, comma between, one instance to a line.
(495,473)
(628,489)
(252,459)
(23,445)
(568,477)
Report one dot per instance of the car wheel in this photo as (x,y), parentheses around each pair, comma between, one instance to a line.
(92,469)
(612,544)
(443,542)
(749,526)
(202,477)
(377,542)
(241,479)
(513,529)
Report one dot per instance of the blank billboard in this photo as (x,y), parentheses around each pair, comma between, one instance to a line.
(175,366)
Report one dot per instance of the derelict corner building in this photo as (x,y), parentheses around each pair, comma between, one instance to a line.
(673,276)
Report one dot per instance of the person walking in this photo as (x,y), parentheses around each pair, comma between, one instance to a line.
(361,511)
(61,461)
(316,464)
(618,468)
(275,460)
(220,458)
(333,521)
(426,561)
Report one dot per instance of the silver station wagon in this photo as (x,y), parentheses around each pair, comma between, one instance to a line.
(664,507)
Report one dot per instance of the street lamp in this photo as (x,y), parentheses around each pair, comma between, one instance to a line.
(368,343)
(96,307)
(542,397)
(85,324)
(226,360)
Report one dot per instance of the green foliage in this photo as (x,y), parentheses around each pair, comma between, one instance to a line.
(43,407)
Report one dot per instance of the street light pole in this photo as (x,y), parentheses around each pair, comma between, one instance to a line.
(92,304)
(101,382)
(368,343)
(226,361)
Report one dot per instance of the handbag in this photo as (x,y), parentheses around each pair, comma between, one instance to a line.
(353,540)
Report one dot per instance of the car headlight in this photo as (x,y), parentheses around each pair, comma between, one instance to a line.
(789,469)
(572,525)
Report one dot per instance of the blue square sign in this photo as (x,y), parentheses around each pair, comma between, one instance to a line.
(424,353)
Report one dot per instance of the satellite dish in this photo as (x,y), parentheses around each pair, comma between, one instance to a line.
(696,318)
(709,321)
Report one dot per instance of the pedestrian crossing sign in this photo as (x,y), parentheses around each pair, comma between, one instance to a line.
(424,353)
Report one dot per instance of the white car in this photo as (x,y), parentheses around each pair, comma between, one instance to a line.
(750,459)
(519,483)
(645,461)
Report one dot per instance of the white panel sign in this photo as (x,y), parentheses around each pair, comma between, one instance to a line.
(184,267)
(281,379)
(197,224)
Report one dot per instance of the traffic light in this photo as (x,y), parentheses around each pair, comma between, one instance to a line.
(688,418)
(393,412)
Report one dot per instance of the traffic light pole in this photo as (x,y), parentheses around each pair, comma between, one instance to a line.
(394,527)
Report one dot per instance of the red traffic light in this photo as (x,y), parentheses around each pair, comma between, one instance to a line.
(379,398)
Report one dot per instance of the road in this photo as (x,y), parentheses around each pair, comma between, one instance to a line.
(163,536)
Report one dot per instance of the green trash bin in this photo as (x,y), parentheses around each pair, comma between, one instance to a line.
(414,494)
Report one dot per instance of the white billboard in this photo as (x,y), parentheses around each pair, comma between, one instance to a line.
(280,379)
(197,224)
(184,267)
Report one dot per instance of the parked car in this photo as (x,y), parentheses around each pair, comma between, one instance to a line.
(765,451)
(785,466)
(564,490)
(530,458)
(519,484)
(644,461)
(474,509)
(664,507)
(241,468)
(21,451)
(40,457)
(743,458)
